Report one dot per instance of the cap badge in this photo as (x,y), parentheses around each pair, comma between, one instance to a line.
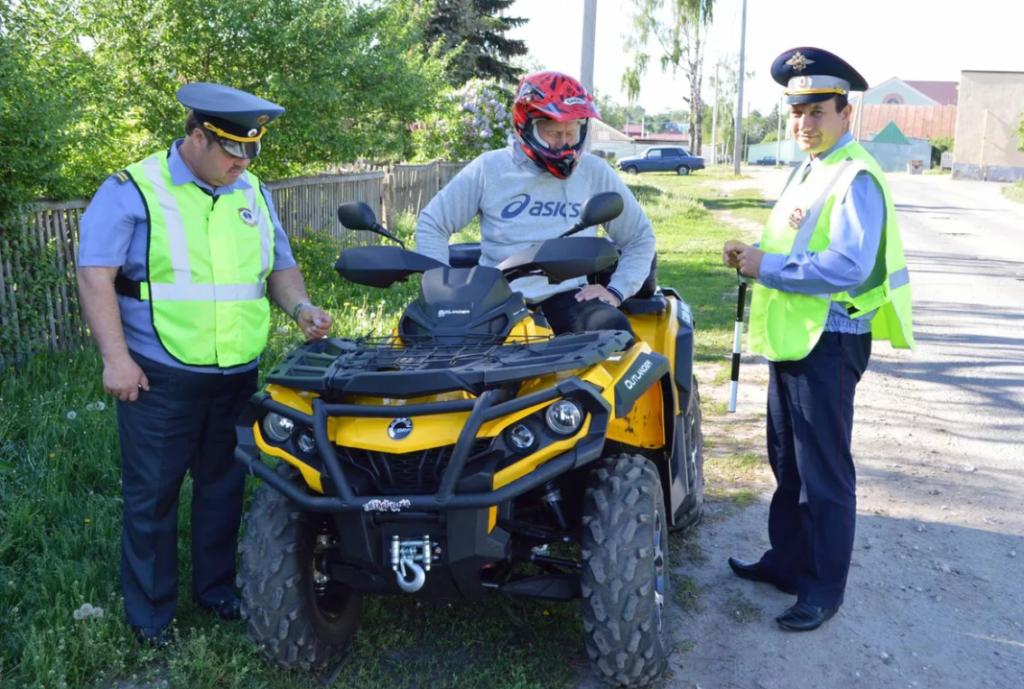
(247,217)
(262,120)
(796,218)
(799,62)
(253,132)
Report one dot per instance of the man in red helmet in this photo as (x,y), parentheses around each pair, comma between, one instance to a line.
(531,191)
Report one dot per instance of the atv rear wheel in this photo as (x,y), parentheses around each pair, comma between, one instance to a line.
(296,622)
(625,577)
(691,511)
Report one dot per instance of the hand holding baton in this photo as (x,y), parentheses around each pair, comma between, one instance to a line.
(737,341)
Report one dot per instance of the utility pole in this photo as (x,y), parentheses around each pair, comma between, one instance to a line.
(587,58)
(778,137)
(714,120)
(739,95)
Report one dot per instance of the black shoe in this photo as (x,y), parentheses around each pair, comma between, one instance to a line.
(156,637)
(803,617)
(755,571)
(229,610)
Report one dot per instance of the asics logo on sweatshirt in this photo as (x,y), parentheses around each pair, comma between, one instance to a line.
(540,209)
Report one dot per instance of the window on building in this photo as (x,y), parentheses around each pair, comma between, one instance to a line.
(893,99)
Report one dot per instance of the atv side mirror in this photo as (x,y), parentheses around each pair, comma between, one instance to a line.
(597,209)
(356,215)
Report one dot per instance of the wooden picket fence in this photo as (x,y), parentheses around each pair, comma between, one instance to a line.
(302,203)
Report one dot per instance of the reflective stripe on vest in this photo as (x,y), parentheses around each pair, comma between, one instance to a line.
(785,326)
(208,295)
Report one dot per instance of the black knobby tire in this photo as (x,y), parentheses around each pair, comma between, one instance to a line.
(294,624)
(625,562)
(683,170)
(632,170)
(692,510)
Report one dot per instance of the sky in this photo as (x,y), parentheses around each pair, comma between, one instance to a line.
(926,40)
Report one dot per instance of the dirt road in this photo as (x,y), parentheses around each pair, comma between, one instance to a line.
(936,591)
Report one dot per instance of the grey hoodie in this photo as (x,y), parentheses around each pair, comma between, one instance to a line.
(519,205)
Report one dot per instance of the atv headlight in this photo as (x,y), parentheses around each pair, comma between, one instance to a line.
(277,427)
(521,437)
(564,417)
(305,441)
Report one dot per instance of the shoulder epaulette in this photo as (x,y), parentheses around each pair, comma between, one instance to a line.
(121,176)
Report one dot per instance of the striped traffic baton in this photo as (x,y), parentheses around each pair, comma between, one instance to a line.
(737,342)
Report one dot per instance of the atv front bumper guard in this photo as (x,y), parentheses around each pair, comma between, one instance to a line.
(487,407)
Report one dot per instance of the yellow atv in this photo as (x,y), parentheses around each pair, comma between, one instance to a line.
(474,454)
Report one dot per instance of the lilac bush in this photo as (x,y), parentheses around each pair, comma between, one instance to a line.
(468,121)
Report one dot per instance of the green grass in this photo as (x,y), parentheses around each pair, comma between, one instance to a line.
(60,512)
(1015,191)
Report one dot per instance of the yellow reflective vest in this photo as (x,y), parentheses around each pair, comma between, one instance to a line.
(208,262)
(785,326)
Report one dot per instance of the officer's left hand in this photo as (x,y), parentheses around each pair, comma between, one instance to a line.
(597,292)
(314,322)
(748,259)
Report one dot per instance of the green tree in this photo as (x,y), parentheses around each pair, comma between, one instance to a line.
(679,39)
(472,34)
(351,74)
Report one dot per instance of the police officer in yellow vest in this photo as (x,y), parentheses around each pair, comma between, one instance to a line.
(831,278)
(177,258)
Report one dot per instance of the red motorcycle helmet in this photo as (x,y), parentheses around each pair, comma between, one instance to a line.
(551,96)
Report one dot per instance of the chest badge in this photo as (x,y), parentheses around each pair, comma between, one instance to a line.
(247,217)
(796,218)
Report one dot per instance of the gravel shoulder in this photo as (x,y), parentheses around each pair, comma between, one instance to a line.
(935,595)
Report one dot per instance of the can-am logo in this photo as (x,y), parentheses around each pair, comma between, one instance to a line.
(452,312)
(575,100)
(539,209)
(400,428)
(634,379)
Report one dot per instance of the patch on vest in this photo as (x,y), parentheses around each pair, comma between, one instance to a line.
(247,217)
(796,218)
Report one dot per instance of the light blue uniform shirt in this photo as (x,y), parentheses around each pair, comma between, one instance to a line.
(855,235)
(114,233)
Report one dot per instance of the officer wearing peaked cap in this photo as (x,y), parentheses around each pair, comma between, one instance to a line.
(178,255)
(831,278)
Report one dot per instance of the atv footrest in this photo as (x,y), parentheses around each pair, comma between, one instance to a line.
(556,587)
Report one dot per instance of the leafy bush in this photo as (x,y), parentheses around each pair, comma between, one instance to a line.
(940,145)
(474,118)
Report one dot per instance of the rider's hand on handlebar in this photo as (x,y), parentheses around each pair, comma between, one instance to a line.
(597,292)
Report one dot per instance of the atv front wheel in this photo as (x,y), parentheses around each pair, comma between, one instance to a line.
(625,577)
(296,622)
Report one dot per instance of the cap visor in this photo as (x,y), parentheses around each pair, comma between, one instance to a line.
(240,149)
(810,98)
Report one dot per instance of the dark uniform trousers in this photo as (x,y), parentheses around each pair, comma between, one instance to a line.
(814,509)
(185,422)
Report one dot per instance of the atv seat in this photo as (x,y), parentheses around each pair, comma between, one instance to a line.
(464,255)
(648,299)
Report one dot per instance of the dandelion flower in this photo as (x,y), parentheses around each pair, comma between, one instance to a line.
(97,612)
(100,406)
(77,614)
(71,416)
(86,609)
(90,407)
